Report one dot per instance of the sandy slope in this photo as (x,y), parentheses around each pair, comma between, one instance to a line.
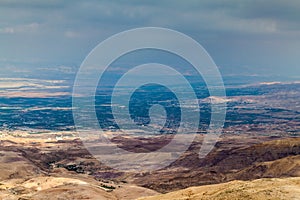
(272,189)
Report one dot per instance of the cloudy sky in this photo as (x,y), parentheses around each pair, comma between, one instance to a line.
(243,37)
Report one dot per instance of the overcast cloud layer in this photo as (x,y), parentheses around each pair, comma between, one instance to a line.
(249,36)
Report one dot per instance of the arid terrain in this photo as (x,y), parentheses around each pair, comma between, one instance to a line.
(57,166)
(35,167)
(269,188)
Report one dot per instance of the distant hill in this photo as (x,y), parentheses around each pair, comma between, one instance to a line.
(229,161)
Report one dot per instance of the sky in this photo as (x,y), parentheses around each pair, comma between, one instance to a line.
(250,37)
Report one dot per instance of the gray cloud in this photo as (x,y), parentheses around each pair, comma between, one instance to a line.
(63,32)
(115,15)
